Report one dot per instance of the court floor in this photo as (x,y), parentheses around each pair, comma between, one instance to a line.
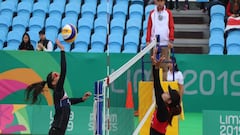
(192,125)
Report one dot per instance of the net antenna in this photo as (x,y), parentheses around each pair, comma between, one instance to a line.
(106,107)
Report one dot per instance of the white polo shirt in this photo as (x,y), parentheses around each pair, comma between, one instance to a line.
(178,76)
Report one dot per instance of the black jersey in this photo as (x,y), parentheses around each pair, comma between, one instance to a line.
(161,114)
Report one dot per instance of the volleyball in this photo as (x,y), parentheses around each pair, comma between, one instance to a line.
(69,33)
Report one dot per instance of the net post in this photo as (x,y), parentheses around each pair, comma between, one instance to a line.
(98,97)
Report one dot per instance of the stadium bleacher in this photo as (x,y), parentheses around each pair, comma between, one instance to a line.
(123,17)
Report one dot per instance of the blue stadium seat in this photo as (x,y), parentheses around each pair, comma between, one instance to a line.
(53,22)
(145,24)
(81,43)
(85,25)
(107,3)
(148,9)
(217,12)
(98,42)
(100,25)
(92,2)
(76,1)
(117,26)
(217,26)
(143,41)
(136,11)
(233,43)
(34,36)
(72,10)
(103,10)
(216,44)
(30,1)
(120,11)
(122,2)
(88,11)
(36,23)
(24,9)
(9,4)
(69,20)
(52,27)
(131,42)
(3,38)
(67,46)
(56,9)
(13,40)
(7,9)
(19,24)
(115,43)
(4,24)
(141,2)
(133,26)
(40,9)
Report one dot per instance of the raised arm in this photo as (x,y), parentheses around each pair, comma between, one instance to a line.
(63,67)
(162,112)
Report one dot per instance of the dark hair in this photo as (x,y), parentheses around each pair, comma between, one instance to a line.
(29,39)
(173,110)
(42,31)
(25,46)
(174,61)
(33,90)
(174,107)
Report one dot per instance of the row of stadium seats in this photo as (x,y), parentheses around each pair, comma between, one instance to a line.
(217,33)
(91,24)
(217,26)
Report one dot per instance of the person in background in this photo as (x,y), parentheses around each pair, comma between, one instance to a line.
(203,7)
(233,8)
(44,44)
(161,24)
(26,43)
(174,74)
(186,5)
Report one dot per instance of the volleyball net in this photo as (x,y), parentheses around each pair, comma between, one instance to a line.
(116,82)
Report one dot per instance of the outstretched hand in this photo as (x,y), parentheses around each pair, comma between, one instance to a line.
(86,95)
(60,46)
(156,61)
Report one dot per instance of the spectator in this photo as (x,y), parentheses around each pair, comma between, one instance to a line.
(203,7)
(26,44)
(44,44)
(233,8)
(186,5)
(174,74)
(160,22)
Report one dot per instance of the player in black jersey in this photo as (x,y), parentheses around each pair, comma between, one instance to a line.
(62,102)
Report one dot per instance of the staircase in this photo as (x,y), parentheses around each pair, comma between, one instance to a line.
(191,31)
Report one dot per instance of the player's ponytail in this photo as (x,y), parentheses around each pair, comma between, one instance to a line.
(33,90)
(174,110)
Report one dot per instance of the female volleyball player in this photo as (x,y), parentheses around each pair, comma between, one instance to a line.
(167,104)
(62,103)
